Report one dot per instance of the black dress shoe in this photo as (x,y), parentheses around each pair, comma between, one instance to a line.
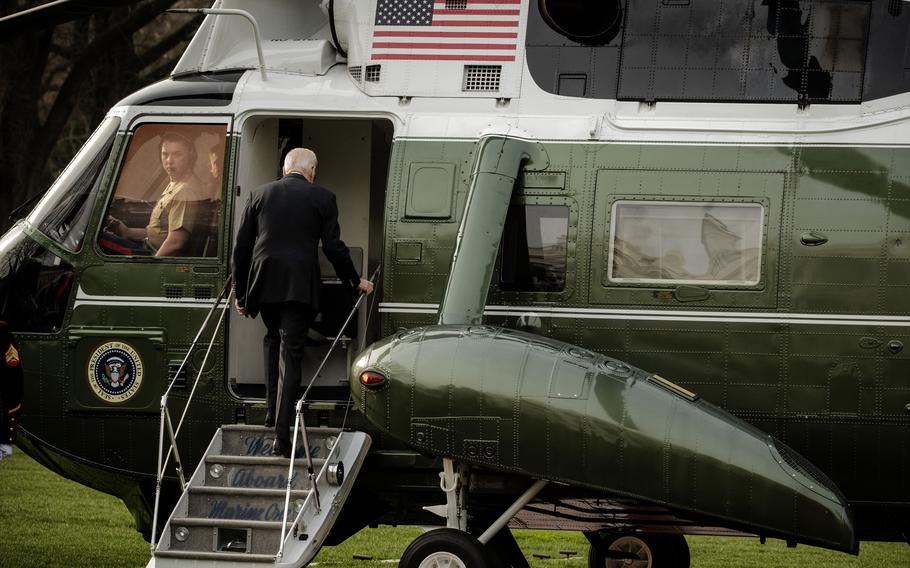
(280,448)
(269,420)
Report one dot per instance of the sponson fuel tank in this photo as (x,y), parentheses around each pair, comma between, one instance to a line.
(530,405)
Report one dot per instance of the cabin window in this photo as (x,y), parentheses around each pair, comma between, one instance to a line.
(534,248)
(686,243)
(167,201)
(64,212)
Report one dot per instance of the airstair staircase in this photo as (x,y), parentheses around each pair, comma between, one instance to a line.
(232,511)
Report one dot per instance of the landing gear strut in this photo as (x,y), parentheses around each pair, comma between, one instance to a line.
(453,546)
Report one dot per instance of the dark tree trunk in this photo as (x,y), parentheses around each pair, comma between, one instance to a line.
(57,84)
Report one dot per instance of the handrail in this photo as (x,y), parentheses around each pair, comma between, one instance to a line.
(298,420)
(257,37)
(313,494)
(167,423)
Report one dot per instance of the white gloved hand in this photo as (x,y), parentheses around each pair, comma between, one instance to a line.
(6,450)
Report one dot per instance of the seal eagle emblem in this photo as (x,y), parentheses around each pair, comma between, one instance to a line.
(115,372)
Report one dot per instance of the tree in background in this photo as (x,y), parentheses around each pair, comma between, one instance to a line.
(58,79)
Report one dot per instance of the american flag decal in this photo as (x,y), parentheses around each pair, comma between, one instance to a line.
(428,30)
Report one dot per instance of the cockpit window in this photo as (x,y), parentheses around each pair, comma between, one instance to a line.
(64,211)
(167,201)
(534,248)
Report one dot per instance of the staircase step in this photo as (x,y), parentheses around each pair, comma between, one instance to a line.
(230,523)
(218,556)
(256,472)
(209,535)
(247,440)
(242,503)
(235,516)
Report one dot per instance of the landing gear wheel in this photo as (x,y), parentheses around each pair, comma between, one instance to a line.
(649,551)
(446,548)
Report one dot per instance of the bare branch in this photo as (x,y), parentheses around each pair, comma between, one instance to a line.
(69,90)
(160,49)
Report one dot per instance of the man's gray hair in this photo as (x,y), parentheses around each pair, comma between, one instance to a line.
(300,159)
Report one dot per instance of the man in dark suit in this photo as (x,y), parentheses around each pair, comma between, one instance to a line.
(276,273)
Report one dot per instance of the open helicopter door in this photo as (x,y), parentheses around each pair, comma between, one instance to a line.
(157,239)
(353,160)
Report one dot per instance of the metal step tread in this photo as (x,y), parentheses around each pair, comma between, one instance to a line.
(255,428)
(259,460)
(232,556)
(246,491)
(225,523)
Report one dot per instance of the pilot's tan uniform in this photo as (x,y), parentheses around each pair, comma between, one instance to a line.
(174,210)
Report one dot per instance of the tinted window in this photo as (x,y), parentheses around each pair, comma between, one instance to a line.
(64,212)
(725,50)
(168,198)
(534,248)
(757,50)
(696,243)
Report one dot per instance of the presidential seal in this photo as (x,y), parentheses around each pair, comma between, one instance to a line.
(114,372)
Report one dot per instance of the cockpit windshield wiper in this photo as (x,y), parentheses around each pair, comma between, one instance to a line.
(27,203)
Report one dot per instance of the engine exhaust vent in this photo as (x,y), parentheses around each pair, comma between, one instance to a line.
(356,73)
(481,78)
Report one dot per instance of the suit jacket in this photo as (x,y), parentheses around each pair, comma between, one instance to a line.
(276,253)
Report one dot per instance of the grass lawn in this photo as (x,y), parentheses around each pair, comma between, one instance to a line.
(49,522)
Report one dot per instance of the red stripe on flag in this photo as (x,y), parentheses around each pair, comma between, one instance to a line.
(476,12)
(478,23)
(488,35)
(400,45)
(443,57)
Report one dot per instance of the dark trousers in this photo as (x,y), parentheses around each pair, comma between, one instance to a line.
(286,326)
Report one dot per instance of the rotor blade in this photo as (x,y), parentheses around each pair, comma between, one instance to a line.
(52,14)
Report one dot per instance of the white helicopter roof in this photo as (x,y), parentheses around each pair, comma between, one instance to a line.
(413,59)
(391,47)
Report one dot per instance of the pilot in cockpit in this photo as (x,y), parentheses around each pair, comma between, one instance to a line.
(173,218)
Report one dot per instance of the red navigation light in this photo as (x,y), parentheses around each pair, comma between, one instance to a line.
(372,379)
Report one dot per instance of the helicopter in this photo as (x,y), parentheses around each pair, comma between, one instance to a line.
(641,271)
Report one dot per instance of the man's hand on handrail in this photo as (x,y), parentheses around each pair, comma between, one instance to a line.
(365,286)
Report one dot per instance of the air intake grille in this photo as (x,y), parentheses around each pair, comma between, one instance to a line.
(356,73)
(481,78)
(456,4)
(203,292)
(373,73)
(805,467)
(179,380)
(172,292)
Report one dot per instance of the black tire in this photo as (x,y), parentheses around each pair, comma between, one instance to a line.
(652,551)
(446,548)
